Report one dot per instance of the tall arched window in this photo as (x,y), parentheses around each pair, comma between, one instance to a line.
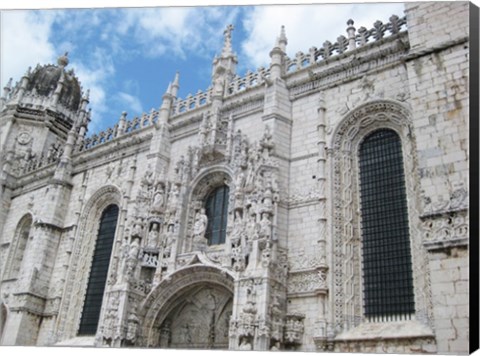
(387,268)
(20,245)
(216,208)
(98,271)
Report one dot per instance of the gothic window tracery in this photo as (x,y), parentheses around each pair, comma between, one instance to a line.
(216,209)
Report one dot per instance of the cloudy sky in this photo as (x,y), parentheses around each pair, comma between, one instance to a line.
(127,56)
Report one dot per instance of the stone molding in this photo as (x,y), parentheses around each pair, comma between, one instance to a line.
(346,279)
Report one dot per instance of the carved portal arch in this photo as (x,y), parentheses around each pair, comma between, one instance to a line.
(205,291)
(347,302)
(81,259)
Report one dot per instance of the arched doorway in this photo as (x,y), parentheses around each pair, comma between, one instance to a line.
(198,320)
(189,310)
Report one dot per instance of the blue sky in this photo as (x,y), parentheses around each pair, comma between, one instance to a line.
(127,56)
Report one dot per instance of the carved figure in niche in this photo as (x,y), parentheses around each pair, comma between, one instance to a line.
(168,241)
(148,177)
(237,227)
(245,344)
(252,229)
(152,239)
(251,299)
(158,201)
(268,199)
(266,256)
(132,323)
(200,225)
(137,230)
(238,258)
(266,144)
(132,257)
(173,199)
(187,335)
(275,306)
(265,227)
(179,169)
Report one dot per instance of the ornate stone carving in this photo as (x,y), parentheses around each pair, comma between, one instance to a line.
(446,230)
(346,291)
(294,328)
(307,282)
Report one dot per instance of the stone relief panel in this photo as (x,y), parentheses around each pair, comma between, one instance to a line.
(446,230)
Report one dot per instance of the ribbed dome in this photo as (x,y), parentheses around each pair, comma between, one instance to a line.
(44,80)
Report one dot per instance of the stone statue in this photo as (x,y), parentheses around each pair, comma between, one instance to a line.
(152,238)
(158,201)
(265,227)
(245,344)
(200,226)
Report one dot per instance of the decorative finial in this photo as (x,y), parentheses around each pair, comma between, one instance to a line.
(177,79)
(227,42)
(63,60)
(282,39)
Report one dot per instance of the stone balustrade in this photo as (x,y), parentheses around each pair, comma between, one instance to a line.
(344,44)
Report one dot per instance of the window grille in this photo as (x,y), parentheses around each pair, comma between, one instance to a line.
(387,267)
(98,271)
(216,208)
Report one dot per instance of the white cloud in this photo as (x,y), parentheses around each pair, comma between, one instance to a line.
(24,42)
(306,26)
(131,103)
(177,31)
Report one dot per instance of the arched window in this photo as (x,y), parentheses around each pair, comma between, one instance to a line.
(98,271)
(20,245)
(387,267)
(216,208)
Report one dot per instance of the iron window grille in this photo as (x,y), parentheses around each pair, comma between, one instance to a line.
(387,267)
(98,271)
(216,209)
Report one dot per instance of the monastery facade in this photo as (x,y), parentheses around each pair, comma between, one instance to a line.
(320,204)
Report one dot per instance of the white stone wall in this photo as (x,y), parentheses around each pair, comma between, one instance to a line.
(450,289)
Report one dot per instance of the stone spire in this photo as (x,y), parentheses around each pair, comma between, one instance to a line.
(277,55)
(282,40)
(175,85)
(168,99)
(224,66)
